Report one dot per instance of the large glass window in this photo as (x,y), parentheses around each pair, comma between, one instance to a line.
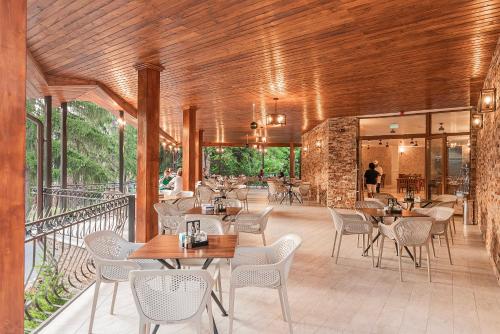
(450,122)
(458,148)
(397,125)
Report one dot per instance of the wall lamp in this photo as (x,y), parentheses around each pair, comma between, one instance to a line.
(487,100)
(477,121)
(317,144)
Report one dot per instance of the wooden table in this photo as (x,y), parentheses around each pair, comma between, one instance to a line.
(381,213)
(164,197)
(164,247)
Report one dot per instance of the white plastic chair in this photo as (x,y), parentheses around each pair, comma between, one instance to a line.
(265,267)
(205,195)
(184,204)
(212,226)
(242,196)
(169,216)
(408,232)
(109,252)
(253,223)
(171,297)
(441,224)
(303,191)
(349,223)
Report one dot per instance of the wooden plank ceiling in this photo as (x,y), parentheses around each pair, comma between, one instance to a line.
(321,58)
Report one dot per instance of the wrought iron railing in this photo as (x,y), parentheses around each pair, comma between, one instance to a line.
(57,201)
(57,266)
(129,187)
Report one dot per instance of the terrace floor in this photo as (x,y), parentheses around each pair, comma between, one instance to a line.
(350,297)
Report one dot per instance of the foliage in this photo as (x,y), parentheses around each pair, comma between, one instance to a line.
(248,161)
(47,288)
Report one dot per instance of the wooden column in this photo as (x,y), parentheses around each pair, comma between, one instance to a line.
(199,164)
(64,146)
(189,151)
(48,142)
(148,150)
(12,151)
(292,160)
(121,164)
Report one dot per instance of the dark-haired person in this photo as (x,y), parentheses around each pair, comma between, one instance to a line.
(371,179)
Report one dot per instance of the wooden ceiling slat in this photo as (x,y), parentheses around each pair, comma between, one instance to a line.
(321,58)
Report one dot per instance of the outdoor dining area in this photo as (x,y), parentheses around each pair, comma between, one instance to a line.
(248,167)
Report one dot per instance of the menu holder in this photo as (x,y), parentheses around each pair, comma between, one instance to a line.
(194,237)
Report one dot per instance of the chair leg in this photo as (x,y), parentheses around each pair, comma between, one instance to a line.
(447,246)
(432,244)
(287,308)
(94,304)
(380,250)
(428,261)
(415,257)
(371,247)
(219,283)
(400,250)
(357,242)
(448,228)
(453,222)
(364,243)
(210,317)
(420,255)
(148,328)
(263,238)
(142,327)
(283,312)
(335,241)
(115,289)
(231,308)
(338,249)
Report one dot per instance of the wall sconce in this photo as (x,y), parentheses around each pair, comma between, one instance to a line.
(487,100)
(401,149)
(317,144)
(477,121)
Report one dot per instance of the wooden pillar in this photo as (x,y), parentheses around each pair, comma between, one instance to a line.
(292,160)
(199,164)
(121,164)
(64,146)
(12,151)
(189,151)
(48,142)
(148,150)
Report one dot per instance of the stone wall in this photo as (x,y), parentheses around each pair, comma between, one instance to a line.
(487,162)
(332,168)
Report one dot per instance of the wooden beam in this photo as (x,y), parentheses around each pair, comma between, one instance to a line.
(199,163)
(12,151)
(64,146)
(292,160)
(148,150)
(215,144)
(48,142)
(189,151)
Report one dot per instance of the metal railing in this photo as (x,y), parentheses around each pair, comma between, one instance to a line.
(57,266)
(57,201)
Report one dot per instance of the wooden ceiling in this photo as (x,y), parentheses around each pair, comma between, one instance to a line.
(321,58)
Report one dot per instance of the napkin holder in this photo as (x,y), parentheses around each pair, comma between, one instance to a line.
(194,237)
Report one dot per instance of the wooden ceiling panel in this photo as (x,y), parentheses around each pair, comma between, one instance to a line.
(321,58)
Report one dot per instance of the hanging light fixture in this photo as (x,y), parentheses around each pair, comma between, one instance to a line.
(416,143)
(387,144)
(121,121)
(219,149)
(477,121)
(380,141)
(164,144)
(412,142)
(487,100)
(276,119)
(441,127)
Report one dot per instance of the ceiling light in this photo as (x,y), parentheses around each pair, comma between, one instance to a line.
(276,119)
(441,127)
(387,144)
(412,142)
(393,131)
(380,141)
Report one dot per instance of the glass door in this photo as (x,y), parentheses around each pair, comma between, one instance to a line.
(458,157)
(435,181)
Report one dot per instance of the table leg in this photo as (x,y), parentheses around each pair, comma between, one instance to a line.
(365,253)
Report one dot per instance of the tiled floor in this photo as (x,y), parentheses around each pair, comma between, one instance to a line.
(350,297)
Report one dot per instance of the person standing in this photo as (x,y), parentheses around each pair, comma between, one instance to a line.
(380,171)
(371,179)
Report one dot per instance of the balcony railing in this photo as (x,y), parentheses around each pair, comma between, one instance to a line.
(57,266)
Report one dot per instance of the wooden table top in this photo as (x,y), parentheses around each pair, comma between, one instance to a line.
(167,247)
(230,211)
(381,213)
(164,197)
